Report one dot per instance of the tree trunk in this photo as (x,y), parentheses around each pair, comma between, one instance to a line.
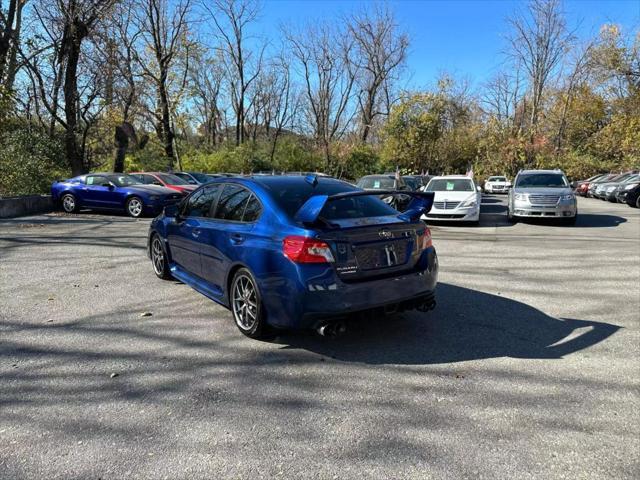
(77,31)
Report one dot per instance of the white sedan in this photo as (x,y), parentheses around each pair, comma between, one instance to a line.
(457,198)
(497,184)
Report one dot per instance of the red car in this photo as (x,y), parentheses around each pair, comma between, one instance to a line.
(167,180)
(582,187)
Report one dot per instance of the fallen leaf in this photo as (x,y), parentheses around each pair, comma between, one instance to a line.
(114,375)
(146,314)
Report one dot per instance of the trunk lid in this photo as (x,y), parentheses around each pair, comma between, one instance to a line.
(368,251)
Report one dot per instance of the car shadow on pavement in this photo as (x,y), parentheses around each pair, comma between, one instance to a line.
(466,325)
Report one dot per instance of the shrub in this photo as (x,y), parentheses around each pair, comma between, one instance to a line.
(29,160)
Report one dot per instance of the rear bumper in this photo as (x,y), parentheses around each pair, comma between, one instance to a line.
(319,295)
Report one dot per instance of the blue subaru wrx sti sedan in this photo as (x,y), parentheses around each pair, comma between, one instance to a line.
(295,251)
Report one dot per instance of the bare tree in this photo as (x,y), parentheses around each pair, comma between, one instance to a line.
(539,42)
(501,95)
(163,33)
(67,24)
(324,57)
(10,28)
(231,18)
(379,51)
(206,76)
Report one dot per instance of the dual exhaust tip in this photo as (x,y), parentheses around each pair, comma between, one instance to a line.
(339,327)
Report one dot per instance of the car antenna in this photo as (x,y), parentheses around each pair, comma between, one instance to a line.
(312,179)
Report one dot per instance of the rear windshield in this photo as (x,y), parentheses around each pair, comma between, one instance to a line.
(450,185)
(377,183)
(542,180)
(291,197)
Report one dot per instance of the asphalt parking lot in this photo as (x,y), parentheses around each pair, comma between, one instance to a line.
(528,368)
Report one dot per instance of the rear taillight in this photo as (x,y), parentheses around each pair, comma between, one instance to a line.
(424,240)
(306,250)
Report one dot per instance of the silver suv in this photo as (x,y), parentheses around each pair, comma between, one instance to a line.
(542,193)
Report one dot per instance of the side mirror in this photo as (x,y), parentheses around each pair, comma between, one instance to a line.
(478,188)
(172,211)
(156,182)
(109,185)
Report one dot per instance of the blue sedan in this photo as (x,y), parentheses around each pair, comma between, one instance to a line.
(286,252)
(112,191)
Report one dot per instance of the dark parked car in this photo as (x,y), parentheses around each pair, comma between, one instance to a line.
(614,193)
(387,181)
(417,182)
(193,178)
(631,195)
(296,252)
(112,191)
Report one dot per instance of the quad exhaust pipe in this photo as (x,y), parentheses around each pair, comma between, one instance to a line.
(426,306)
(332,329)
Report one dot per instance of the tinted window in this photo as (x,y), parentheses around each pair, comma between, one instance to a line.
(146,179)
(377,183)
(497,179)
(170,179)
(186,177)
(542,180)
(252,210)
(290,196)
(232,203)
(356,207)
(201,177)
(450,185)
(96,180)
(199,204)
(123,180)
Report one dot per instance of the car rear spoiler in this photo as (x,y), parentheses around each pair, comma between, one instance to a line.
(421,203)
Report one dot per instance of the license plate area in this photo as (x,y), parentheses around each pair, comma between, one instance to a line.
(382,255)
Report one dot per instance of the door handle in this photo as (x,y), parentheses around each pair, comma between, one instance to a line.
(196,232)
(236,238)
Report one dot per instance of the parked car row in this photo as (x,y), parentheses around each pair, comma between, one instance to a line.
(621,188)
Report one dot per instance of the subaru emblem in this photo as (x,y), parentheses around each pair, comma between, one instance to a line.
(384,233)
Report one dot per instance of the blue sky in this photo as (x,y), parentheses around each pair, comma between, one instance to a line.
(465,37)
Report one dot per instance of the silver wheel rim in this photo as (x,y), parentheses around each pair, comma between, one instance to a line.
(135,207)
(157,256)
(68,203)
(245,302)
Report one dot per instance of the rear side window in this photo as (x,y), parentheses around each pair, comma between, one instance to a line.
(96,180)
(252,211)
(232,203)
(200,203)
(146,179)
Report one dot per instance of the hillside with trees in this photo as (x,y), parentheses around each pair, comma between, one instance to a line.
(191,84)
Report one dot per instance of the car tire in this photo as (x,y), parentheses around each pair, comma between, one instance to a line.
(246,305)
(159,258)
(638,201)
(134,207)
(511,218)
(69,203)
(571,220)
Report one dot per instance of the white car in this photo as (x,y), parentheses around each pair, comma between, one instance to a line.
(497,184)
(457,198)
